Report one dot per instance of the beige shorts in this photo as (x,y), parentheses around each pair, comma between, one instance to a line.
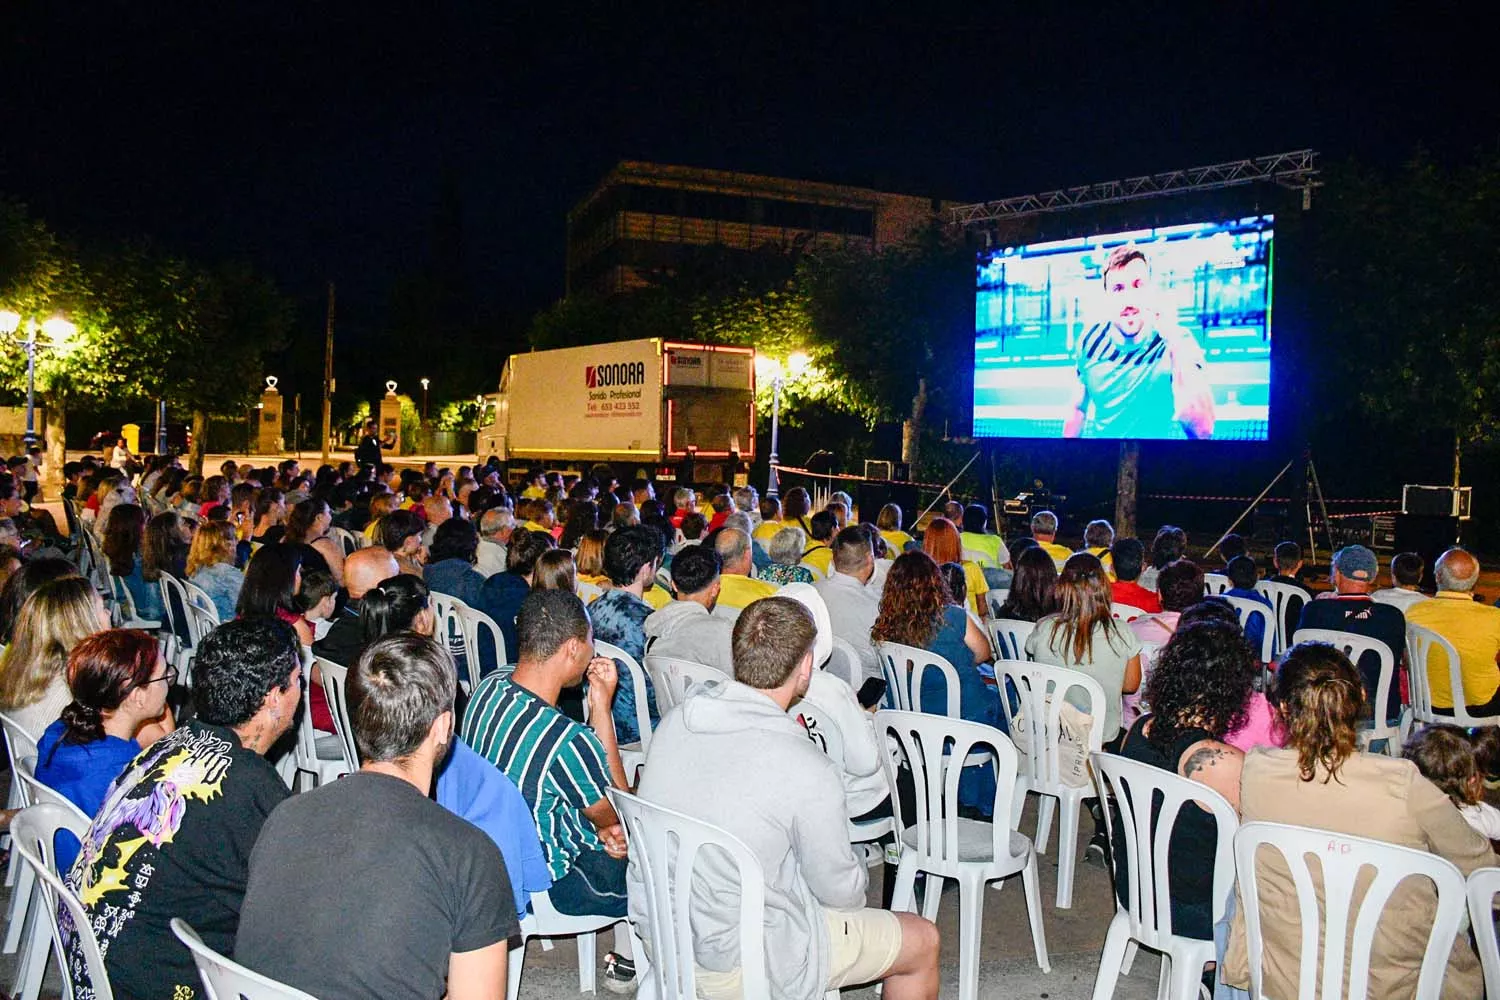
(862,947)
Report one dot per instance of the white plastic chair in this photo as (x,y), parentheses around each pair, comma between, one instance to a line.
(124,608)
(319,754)
(1141,840)
(335,679)
(1008,637)
(996,599)
(672,677)
(632,755)
(936,841)
(1280,594)
(1420,644)
(905,667)
(545,922)
(477,625)
(1244,607)
(1215,584)
(1482,886)
(845,664)
(347,540)
(448,628)
(32,966)
(830,739)
(1127,612)
(1343,863)
(179,626)
(224,979)
(1042,691)
(32,832)
(588,592)
(1354,647)
(19,744)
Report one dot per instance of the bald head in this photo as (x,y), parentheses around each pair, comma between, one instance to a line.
(733,547)
(1457,570)
(365,568)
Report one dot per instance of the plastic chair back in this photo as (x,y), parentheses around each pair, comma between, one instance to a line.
(174,602)
(1355,647)
(927,743)
(18,743)
(1421,642)
(224,979)
(1215,584)
(198,598)
(335,679)
(1149,800)
(632,673)
(482,634)
(37,792)
(33,831)
(347,540)
(844,663)
(996,600)
(1482,886)
(1040,691)
(665,844)
(1244,607)
(1008,637)
(1280,595)
(905,667)
(1127,612)
(1348,868)
(675,679)
(448,628)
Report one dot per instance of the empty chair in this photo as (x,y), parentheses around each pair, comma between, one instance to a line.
(1150,802)
(1008,637)
(225,979)
(942,845)
(674,678)
(1355,647)
(1215,584)
(1482,887)
(1421,643)
(1041,694)
(1347,890)
(1280,595)
(32,832)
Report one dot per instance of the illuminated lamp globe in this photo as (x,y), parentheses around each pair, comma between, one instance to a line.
(10,321)
(798,362)
(59,330)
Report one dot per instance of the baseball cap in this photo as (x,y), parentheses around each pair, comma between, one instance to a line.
(1355,562)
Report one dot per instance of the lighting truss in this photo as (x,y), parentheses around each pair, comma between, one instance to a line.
(1296,170)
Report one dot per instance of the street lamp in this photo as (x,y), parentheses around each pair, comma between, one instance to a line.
(58,330)
(770,368)
(425,383)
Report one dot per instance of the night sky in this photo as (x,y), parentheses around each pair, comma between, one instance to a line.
(313,138)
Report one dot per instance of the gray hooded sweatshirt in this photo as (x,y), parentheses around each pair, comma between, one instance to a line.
(730,756)
(685,630)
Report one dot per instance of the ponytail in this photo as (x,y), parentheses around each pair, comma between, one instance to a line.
(82,724)
(392,606)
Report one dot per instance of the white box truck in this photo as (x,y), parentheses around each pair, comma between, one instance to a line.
(638,405)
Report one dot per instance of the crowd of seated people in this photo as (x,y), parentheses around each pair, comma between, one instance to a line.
(473,804)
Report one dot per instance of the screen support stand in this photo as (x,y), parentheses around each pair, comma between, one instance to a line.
(1314,489)
(944,491)
(1246,512)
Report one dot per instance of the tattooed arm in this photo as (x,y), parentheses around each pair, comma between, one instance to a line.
(1216,765)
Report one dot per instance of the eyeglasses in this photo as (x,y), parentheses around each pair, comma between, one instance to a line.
(170,677)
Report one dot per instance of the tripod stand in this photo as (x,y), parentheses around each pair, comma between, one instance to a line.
(1313,488)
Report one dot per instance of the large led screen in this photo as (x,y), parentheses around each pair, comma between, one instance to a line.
(1153,334)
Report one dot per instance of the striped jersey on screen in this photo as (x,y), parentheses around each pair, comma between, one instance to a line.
(1129,387)
(559,766)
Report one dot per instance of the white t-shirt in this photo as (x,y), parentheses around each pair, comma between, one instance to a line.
(1483,817)
(1399,598)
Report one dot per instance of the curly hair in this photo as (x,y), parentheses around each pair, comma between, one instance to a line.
(1202,680)
(1320,698)
(911,608)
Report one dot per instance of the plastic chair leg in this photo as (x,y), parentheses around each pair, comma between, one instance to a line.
(1067,850)
(588,961)
(1044,808)
(1131,948)
(1032,883)
(970,924)
(20,904)
(1112,959)
(32,968)
(514,963)
(1164,977)
(932,896)
(903,896)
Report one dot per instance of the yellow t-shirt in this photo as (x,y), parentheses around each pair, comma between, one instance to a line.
(1474,630)
(737,591)
(373,528)
(767,530)
(988,545)
(974,580)
(534,493)
(820,558)
(658,597)
(898,540)
(1107,560)
(1059,553)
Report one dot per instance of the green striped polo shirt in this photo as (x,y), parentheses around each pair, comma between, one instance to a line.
(559,766)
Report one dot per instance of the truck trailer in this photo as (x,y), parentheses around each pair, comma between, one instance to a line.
(647,408)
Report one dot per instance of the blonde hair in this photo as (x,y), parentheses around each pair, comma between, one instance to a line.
(51,622)
(214,543)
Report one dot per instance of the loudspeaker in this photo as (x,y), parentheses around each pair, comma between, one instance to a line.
(870,497)
(1428,536)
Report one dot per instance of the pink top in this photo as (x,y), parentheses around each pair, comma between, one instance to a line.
(1260,728)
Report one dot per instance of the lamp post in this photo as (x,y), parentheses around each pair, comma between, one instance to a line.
(425,383)
(58,330)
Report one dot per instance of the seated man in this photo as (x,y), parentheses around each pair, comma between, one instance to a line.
(562,768)
(976,537)
(1098,536)
(686,629)
(619,614)
(1242,579)
(1350,609)
(852,604)
(1129,556)
(789,808)
(737,588)
(176,830)
(1474,630)
(1406,582)
(439,915)
(1287,559)
(495,527)
(502,594)
(1044,530)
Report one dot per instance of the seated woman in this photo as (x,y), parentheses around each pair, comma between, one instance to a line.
(123,534)
(589,559)
(555,570)
(119,683)
(272,582)
(889,524)
(450,565)
(59,614)
(786,567)
(1258,727)
(941,540)
(210,566)
(268,517)
(1033,590)
(1322,780)
(165,544)
(1083,635)
(309,523)
(1197,694)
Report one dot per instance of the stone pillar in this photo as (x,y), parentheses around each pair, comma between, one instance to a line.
(268,427)
(390,419)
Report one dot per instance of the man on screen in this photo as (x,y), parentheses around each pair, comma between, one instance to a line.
(1138,375)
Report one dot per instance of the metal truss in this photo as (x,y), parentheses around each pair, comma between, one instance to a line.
(1295,170)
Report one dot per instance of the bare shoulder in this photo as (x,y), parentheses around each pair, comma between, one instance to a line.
(1207,755)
